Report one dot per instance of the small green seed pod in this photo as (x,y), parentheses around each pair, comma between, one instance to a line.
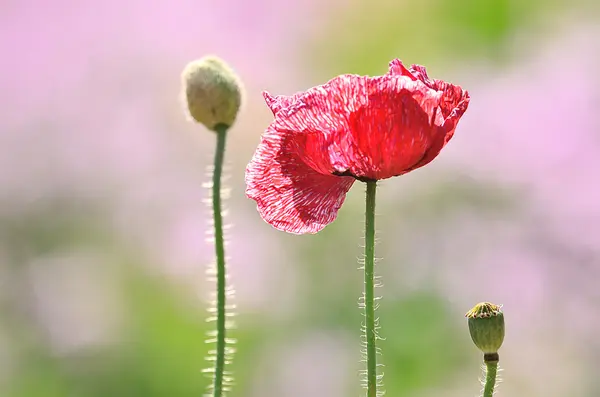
(486,325)
(212,92)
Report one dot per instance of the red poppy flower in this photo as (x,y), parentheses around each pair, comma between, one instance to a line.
(353,127)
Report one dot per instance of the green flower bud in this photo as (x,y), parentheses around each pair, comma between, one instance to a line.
(212,92)
(486,325)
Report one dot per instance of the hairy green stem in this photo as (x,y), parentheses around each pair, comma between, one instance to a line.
(369,297)
(491,369)
(221,131)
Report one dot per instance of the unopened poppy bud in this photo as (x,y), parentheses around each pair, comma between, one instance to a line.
(486,325)
(212,92)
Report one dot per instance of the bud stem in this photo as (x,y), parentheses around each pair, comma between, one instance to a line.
(369,293)
(491,369)
(221,130)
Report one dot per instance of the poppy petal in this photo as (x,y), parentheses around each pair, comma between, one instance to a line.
(290,195)
(395,131)
(321,114)
(446,130)
(277,102)
(397,68)
(355,125)
(452,96)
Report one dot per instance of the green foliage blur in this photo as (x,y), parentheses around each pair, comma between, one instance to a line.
(162,350)
(369,34)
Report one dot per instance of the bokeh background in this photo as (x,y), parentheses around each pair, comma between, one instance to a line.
(103,220)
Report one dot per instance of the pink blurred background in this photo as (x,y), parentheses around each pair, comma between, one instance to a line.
(98,162)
